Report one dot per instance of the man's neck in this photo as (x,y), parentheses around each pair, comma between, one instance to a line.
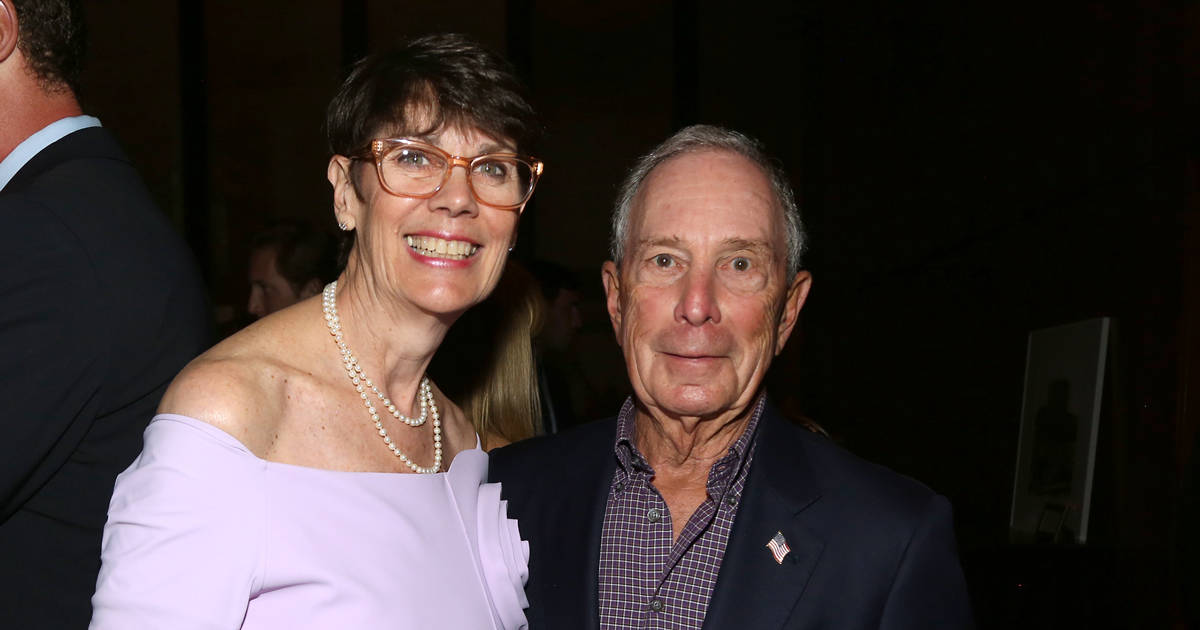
(688,443)
(26,107)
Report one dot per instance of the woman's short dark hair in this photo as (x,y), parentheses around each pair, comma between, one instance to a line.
(448,79)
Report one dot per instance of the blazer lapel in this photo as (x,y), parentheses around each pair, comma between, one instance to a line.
(753,590)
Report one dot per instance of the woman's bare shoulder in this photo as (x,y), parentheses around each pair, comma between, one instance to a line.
(239,386)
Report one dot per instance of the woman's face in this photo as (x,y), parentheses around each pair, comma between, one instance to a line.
(442,254)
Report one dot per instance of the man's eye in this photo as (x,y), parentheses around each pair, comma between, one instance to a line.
(663,260)
(740,264)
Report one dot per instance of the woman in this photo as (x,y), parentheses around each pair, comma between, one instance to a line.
(304,473)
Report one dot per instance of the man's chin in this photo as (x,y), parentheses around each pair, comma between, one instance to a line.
(694,404)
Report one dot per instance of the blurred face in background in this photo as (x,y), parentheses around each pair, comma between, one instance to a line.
(269,290)
(563,320)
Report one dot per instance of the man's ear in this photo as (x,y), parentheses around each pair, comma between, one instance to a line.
(796,294)
(611,277)
(344,192)
(9,30)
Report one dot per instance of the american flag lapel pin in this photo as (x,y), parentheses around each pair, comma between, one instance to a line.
(779,547)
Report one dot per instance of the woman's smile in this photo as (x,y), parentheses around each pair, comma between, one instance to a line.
(447,249)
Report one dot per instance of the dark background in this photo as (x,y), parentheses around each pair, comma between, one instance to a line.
(968,172)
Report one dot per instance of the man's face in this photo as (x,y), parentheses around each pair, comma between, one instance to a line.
(269,291)
(702,302)
(563,320)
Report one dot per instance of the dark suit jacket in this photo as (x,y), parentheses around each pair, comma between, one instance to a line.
(100,307)
(869,548)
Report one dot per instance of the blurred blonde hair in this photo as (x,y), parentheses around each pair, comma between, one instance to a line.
(486,363)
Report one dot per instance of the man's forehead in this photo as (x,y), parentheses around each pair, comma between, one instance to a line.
(714,196)
(264,262)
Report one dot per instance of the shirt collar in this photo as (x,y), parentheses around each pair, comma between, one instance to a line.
(630,458)
(41,139)
(737,452)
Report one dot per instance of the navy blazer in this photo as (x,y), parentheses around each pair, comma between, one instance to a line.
(869,548)
(100,307)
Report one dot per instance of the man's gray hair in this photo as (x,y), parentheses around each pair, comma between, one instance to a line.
(694,139)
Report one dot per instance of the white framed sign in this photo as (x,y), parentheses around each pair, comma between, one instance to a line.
(1060,417)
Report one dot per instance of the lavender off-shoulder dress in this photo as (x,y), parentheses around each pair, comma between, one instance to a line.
(203,534)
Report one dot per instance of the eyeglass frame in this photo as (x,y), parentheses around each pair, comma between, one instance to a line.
(380,147)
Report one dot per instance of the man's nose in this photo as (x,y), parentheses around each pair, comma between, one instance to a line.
(698,303)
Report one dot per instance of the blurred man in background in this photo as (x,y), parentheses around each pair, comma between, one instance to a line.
(100,307)
(289,261)
(558,369)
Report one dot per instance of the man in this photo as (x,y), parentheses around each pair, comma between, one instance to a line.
(289,261)
(699,505)
(100,306)
(557,366)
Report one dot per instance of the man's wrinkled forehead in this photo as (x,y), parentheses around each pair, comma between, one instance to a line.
(654,195)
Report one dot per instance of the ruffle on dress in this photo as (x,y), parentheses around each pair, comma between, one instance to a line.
(503,556)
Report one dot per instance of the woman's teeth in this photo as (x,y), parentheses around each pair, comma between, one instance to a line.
(440,248)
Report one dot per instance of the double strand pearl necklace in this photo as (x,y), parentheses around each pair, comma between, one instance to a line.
(362,383)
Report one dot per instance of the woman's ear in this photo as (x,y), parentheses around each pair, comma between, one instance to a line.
(345,195)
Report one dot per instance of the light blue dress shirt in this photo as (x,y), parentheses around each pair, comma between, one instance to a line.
(43,138)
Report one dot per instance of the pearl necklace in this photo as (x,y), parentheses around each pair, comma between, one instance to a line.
(361,383)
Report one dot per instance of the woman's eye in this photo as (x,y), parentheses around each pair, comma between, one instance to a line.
(412,157)
(494,170)
(663,260)
(740,264)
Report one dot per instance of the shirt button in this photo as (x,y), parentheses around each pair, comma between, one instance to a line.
(731,500)
(656,605)
(619,487)
(655,515)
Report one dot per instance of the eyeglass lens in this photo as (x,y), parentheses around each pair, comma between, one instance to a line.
(498,180)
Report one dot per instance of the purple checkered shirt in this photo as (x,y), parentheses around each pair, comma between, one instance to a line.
(645,580)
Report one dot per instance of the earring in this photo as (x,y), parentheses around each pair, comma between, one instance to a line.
(510,248)
(342,226)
